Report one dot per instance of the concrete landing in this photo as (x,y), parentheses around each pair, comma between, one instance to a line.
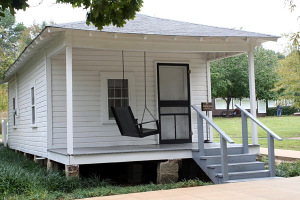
(271,189)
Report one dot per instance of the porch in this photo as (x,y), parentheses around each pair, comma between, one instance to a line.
(116,154)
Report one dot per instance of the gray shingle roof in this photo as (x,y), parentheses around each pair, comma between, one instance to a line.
(143,24)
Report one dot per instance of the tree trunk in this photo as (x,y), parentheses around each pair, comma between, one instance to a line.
(228,100)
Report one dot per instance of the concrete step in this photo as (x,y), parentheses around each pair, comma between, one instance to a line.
(217,151)
(237,158)
(246,174)
(239,167)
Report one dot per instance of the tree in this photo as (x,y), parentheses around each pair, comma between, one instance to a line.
(14,38)
(289,83)
(30,33)
(265,75)
(100,13)
(12,6)
(230,77)
(294,37)
(10,34)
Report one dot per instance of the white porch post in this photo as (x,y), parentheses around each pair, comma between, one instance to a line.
(69,94)
(252,94)
(210,129)
(49,101)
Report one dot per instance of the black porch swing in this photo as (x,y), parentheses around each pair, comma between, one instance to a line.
(126,122)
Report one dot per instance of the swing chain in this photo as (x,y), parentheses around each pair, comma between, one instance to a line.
(123,80)
(145,84)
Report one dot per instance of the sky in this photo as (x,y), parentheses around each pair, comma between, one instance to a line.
(261,16)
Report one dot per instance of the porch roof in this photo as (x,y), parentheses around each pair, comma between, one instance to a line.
(143,24)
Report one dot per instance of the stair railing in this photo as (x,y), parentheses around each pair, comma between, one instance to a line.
(271,135)
(224,138)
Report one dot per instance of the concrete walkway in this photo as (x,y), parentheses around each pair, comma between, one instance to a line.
(275,189)
(287,155)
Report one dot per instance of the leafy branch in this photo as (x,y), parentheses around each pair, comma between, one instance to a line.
(100,13)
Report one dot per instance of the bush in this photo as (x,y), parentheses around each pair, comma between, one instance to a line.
(286,110)
(286,169)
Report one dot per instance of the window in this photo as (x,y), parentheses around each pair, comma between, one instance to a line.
(116,92)
(14,112)
(33,111)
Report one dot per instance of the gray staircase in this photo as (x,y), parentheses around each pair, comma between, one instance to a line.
(232,164)
(240,166)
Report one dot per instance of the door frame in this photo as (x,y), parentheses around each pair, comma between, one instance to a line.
(175,141)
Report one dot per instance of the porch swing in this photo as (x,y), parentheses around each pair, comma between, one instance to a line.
(127,123)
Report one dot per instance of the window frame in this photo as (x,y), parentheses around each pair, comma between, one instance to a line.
(33,104)
(104,77)
(123,100)
(14,114)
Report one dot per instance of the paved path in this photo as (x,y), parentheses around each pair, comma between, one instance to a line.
(281,154)
(275,189)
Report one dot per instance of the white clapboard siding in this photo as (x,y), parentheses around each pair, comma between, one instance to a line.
(24,137)
(88,64)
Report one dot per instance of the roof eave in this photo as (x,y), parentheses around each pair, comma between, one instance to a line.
(20,61)
(39,40)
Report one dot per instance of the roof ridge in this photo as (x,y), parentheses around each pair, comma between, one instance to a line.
(146,24)
(165,19)
(202,24)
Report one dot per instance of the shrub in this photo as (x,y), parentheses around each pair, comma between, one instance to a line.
(286,110)
(286,169)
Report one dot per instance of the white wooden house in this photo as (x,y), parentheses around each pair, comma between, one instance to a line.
(220,106)
(61,86)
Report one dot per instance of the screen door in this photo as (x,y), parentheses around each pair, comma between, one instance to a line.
(174,103)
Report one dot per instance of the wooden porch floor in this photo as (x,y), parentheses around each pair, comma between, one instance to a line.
(114,154)
(138,148)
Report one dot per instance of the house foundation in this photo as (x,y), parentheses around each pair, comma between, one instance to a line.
(135,172)
(39,160)
(52,165)
(167,172)
(28,156)
(72,170)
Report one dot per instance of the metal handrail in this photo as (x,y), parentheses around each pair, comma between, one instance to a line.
(259,123)
(224,138)
(220,131)
(271,136)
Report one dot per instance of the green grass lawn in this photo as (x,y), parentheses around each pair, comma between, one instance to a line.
(285,126)
(21,178)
